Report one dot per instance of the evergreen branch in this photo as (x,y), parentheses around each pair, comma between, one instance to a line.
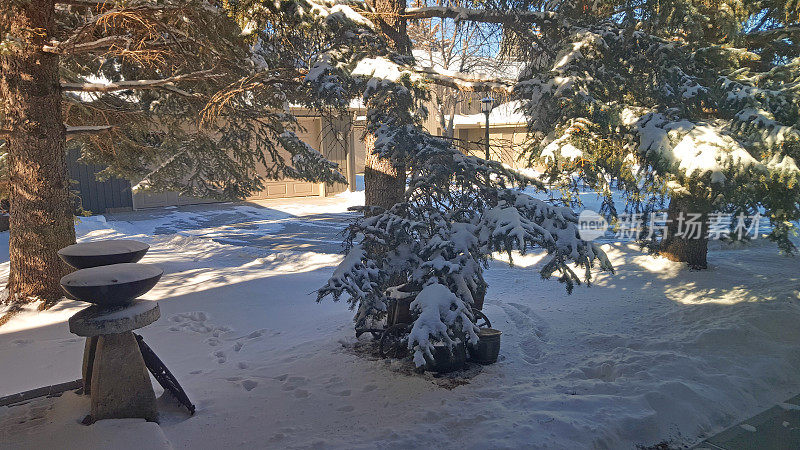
(136,14)
(139,84)
(773,33)
(224,97)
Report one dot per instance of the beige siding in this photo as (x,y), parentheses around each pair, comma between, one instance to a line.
(272,189)
(310,134)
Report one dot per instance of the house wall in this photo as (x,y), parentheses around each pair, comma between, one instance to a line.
(506,144)
(94,196)
(332,139)
(359,148)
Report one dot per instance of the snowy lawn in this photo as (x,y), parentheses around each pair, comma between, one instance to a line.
(654,353)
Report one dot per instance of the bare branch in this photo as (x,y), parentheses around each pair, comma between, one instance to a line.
(139,84)
(176,90)
(102,43)
(87,129)
(115,44)
(71,132)
(87,3)
(480,15)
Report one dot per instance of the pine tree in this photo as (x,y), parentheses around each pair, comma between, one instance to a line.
(167,93)
(688,99)
(429,250)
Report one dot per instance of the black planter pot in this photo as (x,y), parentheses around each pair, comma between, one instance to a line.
(444,360)
(487,349)
(117,284)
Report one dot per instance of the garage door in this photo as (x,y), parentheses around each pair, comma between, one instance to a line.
(272,188)
(169,198)
(293,188)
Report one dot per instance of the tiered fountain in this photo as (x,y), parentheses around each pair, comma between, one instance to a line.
(114,372)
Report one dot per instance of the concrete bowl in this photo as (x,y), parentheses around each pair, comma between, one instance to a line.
(116,284)
(103,253)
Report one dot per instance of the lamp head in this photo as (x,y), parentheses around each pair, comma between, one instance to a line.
(486,105)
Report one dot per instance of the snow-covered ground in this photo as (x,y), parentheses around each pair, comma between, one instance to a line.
(653,353)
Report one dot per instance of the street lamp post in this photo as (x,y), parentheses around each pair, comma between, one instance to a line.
(486,107)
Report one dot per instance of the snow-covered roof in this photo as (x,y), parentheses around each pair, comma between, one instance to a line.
(504,114)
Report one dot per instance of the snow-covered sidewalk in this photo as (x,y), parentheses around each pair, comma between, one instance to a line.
(654,353)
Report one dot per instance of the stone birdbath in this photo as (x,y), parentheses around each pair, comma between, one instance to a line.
(114,372)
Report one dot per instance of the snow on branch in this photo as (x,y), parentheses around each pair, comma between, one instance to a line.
(440,311)
(693,149)
(459,81)
(356,275)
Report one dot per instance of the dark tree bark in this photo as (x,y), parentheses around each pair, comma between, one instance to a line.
(41,219)
(384,182)
(690,249)
(392,23)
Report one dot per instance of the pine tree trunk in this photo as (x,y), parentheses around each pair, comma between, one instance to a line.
(678,248)
(385,183)
(41,213)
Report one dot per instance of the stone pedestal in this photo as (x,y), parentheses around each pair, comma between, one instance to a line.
(113,369)
(120,383)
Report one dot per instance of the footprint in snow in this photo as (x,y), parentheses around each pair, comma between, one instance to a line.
(301,393)
(220,355)
(249,385)
(527,320)
(196,322)
(292,383)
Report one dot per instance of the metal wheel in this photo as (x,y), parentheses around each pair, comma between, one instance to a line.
(393,341)
(375,332)
(163,375)
(481,321)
